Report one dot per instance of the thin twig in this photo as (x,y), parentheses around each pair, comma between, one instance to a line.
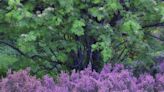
(15,48)
(154,25)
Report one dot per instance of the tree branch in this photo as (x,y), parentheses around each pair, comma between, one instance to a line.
(124,57)
(118,45)
(156,37)
(15,48)
(121,53)
(154,25)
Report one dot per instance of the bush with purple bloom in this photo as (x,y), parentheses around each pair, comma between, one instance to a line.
(110,79)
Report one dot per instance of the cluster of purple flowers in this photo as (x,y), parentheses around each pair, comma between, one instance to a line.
(110,79)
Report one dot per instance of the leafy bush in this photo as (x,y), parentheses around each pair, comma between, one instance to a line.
(20,82)
(68,34)
(110,79)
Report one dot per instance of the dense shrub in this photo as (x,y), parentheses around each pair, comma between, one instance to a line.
(110,79)
(20,82)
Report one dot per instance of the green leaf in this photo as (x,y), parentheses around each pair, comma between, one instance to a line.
(106,53)
(96,12)
(67,5)
(62,57)
(131,26)
(96,1)
(13,3)
(77,27)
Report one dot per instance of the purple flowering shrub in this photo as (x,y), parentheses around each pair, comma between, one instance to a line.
(110,79)
(159,85)
(161,66)
(20,82)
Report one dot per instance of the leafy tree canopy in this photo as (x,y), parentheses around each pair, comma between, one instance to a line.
(68,34)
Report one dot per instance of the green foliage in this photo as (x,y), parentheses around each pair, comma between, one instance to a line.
(65,34)
(7,58)
(77,27)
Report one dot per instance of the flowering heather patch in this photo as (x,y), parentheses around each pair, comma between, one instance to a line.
(110,79)
(20,82)
(161,66)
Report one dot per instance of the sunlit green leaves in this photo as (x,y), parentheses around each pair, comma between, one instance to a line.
(14,14)
(56,20)
(106,51)
(161,10)
(77,27)
(31,36)
(27,40)
(113,5)
(67,5)
(97,12)
(7,60)
(96,1)
(13,3)
(104,46)
(131,26)
(17,14)
(62,57)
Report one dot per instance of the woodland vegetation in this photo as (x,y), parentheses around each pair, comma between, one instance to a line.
(52,36)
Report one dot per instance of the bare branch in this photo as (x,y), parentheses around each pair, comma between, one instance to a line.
(12,46)
(158,38)
(122,43)
(154,25)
